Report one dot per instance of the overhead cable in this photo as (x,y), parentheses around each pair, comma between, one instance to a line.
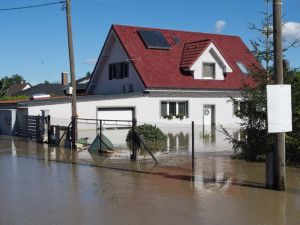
(33,6)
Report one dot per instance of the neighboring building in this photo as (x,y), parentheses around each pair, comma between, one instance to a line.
(157,75)
(81,85)
(17,88)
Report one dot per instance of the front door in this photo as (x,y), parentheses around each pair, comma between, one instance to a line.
(208,115)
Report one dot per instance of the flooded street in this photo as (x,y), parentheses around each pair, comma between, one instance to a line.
(47,185)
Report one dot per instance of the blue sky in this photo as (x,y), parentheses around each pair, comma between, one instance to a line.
(33,42)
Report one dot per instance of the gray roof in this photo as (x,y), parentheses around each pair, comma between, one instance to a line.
(56,89)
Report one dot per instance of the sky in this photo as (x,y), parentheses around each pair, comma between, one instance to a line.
(34,41)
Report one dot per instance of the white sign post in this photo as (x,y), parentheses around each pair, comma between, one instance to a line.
(279,108)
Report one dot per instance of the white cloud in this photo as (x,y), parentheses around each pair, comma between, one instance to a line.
(90,61)
(291,31)
(219,26)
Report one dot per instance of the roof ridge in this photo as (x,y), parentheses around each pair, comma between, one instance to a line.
(175,30)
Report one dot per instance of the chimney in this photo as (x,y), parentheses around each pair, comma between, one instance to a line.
(64,78)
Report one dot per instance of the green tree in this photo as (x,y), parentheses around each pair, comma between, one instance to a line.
(88,74)
(255,140)
(7,82)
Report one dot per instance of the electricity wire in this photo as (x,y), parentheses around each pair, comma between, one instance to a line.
(33,6)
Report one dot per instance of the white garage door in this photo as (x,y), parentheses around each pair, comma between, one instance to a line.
(115,115)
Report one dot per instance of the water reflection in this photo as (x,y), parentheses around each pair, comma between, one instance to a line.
(216,165)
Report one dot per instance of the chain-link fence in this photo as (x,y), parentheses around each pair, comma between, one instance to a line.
(222,153)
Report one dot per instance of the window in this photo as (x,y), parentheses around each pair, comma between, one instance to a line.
(124,71)
(209,70)
(112,71)
(243,68)
(175,109)
(236,108)
(118,71)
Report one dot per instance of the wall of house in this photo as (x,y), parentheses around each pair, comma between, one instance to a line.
(147,109)
(114,53)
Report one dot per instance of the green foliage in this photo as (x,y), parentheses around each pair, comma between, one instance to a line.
(255,141)
(7,82)
(180,115)
(88,74)
(149,132)
(6,98)
(170,116)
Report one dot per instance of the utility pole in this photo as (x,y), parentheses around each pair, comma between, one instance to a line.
(72,71)
(268,37)
(279,169)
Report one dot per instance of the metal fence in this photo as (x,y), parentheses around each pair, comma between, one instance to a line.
(221,153)
(208,152)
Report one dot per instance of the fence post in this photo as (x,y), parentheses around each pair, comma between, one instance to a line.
(49,128)
(100,136)
(37,128)
(133,139)
(193,146)
(73,132)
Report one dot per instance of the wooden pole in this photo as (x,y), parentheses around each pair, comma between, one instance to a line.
(279,170)
(72,67)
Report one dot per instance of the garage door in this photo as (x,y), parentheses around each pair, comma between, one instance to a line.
(114,115)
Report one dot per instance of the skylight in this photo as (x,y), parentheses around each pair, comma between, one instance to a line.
(154,39)
(176,40)
(243,68)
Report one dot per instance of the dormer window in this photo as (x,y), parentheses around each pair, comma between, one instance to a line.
(243,68)
(204,60)
(208,71)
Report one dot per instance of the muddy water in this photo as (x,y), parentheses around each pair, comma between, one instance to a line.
(39,185)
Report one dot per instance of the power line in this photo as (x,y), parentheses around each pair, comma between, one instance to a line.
(33,6)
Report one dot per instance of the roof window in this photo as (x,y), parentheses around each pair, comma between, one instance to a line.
(176,40)
(243,68)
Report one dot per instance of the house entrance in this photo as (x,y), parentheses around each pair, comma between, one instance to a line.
(208,115)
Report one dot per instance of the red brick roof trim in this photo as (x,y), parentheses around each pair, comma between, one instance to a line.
(192,51)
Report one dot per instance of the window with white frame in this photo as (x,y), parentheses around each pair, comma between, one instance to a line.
(171,109)
(118,71)
(208,70)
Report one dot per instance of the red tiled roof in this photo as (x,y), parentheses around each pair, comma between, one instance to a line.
(192,51)
(161,68)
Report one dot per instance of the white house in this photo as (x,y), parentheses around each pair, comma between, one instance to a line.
(157,75)
(179,73)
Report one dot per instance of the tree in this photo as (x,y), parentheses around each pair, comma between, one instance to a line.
(255,141)
(7,82)
(88,74)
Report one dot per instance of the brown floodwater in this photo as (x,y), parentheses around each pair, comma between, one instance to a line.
(48,185)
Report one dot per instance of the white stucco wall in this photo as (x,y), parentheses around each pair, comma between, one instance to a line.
(147,109)
(114,53)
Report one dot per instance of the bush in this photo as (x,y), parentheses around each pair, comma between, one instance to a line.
(149,132)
